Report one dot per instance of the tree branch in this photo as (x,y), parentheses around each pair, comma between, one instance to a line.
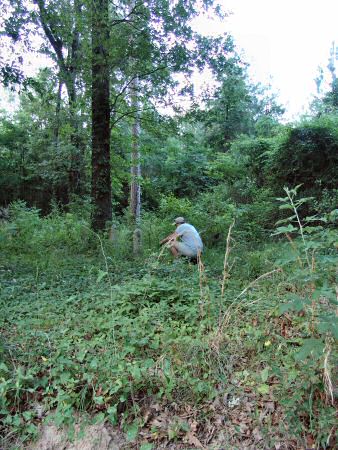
(131,112)
(55,41)
(125,87)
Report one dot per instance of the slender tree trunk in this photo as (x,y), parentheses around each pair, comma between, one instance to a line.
(76,170)
(58,192)
(101,180)
(135,187)
(57,116)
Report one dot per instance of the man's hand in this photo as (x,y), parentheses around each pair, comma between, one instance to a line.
(171,237)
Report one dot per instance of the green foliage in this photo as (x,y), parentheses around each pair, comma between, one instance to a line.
(179,166)
(315,255)
(330,100)
(308,155)
(267,126)
(35,146)
(310,268)
(213,213)
(327,103)
(239,108)
(327,201)
(254,154)
(225,168)
(95,332)
(28,232)
(128,330)
(172,206)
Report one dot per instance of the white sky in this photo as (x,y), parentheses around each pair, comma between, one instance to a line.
(284,41)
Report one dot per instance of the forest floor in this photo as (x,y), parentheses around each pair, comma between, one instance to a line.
(153,355)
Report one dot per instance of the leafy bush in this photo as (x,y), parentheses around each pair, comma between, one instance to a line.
(210,212)
(256,218)
(308,155)
(254,155)
(310,269)
(327,201)
(28,232)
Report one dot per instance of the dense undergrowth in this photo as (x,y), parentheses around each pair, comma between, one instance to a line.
(234,355)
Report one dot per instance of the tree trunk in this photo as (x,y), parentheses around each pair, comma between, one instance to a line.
(101,181)
(57,116)
(76,170)
(135,188)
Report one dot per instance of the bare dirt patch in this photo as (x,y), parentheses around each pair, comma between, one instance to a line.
(94,437)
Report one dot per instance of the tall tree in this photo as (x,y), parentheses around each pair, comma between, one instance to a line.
(236,106)
(101,179)
(66,45)
(327,100)
(135,186)
(60,24)
(163,43)
(36,140)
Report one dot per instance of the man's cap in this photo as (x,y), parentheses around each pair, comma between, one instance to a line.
(179,220)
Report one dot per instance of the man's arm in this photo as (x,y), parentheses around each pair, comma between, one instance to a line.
(172,237)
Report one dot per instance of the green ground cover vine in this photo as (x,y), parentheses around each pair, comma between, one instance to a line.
(108,335)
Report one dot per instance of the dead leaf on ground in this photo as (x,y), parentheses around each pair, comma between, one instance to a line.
(257,435)
(193,440)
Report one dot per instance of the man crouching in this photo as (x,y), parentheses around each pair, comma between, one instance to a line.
(190,243)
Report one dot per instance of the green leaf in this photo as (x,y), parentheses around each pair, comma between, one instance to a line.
(296,304)
(101,275)
(329,325)
(146,446)
(289,229)
(315,219)
(286,206)
(32,429)
(112,414)
(98,400)
(292,374)
(27,415)
(3,367)
(288,219)
(263,389)
(99,418)
(312,229)
(132,431)
(303,200)
(65,377)
(94,363)
(265,374)
(311,347)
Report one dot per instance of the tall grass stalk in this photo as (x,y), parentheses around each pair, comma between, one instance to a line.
(327,373)
(226,317)
(110,288)
(301,230)
(294,247)
(203,284)
(226,256)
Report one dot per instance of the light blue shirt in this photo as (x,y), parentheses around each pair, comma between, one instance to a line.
(189,236)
